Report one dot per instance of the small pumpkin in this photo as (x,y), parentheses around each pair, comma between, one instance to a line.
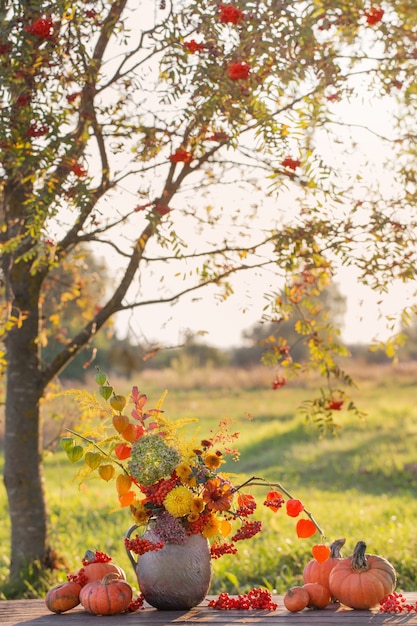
(296,599)
(108,596)
(319,596)
(362,580)
(96,570)
(315,572)
(63,597)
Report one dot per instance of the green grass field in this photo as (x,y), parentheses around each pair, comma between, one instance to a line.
(360,484)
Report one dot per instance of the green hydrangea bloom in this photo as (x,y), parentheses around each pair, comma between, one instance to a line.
(152,459)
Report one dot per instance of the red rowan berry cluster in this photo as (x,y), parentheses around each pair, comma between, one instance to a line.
(261,599)
(42,28)
(374,15)
(396,603)
(78,169)
(247,530)
(99,557)
(292,164)
(198,525)
(79,577)
(181,156)
(193,46)
(157,493)
(275,503)
(230,14)
(255,599)
(138,545)
(136,604)
(219,549)
(37,131)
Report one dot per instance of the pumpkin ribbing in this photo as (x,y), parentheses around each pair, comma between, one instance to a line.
(362,580)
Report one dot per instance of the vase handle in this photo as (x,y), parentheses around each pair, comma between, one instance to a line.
(129,552)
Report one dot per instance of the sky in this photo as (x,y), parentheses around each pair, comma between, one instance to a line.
(222,324)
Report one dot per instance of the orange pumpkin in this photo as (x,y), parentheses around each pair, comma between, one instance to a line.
(362,580)
(319,595)
(296,599)
(106,597)
(63,597)
(96,570)
(315,572)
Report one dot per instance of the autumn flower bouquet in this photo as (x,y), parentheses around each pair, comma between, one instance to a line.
(172,485)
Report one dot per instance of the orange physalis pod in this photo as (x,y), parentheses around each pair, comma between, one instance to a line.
(294,507)
(123,484)
(127,498)
(120,422)
(305,528)
(274,501)
(321,552)
(245,499)
(132,432)
(106,472)
(122,451)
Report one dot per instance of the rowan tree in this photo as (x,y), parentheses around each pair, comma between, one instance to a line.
(120,123)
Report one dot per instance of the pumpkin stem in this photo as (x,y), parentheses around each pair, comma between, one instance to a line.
(89,556)
(108,578)
(359,561)
(335,548)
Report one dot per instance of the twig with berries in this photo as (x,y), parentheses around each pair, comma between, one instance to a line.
(255,481)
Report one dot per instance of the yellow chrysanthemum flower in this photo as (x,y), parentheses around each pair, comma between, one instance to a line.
(184,473)
(197,505)
(212,460)
(212,528)
(178,502)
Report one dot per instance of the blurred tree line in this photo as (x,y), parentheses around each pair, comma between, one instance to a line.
(121,357)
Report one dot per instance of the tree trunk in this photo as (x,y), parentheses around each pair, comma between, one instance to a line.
(23,472)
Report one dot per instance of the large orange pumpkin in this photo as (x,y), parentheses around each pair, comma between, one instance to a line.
(109,596)
(63,597)
(362,580)
(315,572)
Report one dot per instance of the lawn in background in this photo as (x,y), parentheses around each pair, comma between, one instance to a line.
(359,484)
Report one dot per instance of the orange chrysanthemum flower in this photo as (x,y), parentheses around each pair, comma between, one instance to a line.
(217,495)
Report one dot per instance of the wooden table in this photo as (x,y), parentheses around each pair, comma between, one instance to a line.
(34,613)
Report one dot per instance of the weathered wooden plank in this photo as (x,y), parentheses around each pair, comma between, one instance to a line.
(34,613)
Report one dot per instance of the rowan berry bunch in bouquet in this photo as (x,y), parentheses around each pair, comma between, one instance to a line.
(170,483)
